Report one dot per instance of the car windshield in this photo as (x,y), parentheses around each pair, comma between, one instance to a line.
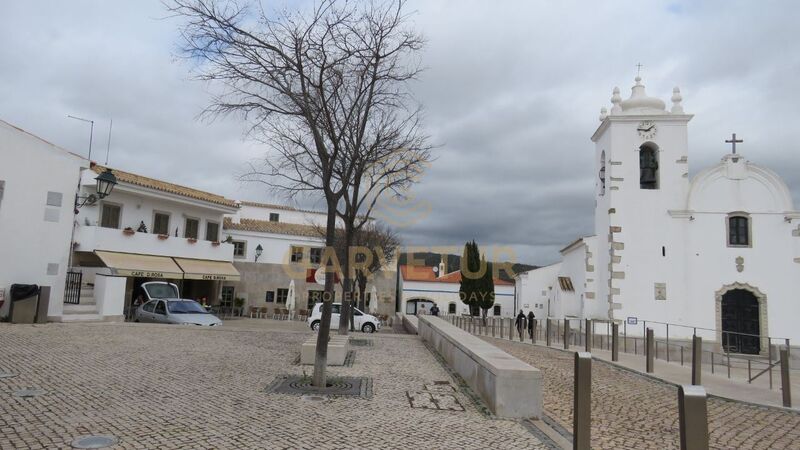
(185,307)
(161,290)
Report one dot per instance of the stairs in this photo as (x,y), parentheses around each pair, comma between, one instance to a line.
(85,311)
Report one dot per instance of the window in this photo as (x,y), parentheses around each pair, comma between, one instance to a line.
(297,254)
(566,284)
(314,297)
(227,295)
(738,231)
(239,249)
(315,255)
(336,309)
(191,229)
(109,218)
(212,231)
(648,167)
(496,310)
(149,306)
(273,217)
(602,174)
(161,223)
(451,308)
(283,294)
(270,297)
(161,308)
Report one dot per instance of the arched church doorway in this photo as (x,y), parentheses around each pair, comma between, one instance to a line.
(740,316)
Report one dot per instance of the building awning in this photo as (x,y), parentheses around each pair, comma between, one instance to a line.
(136,265)
(203,269)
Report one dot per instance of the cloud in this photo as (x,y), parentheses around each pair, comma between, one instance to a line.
(512,92)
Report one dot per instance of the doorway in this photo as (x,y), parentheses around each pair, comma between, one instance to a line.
(740,314)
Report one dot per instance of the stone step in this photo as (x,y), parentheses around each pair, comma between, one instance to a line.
(81,317)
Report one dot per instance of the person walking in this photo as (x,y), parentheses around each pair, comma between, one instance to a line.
(434,310)
(422,310)
(520,324)
(531,324)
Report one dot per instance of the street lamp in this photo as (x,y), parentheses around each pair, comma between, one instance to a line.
(105,184)
(259,250)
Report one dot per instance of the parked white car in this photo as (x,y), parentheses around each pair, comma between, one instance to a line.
(361,321)
(164,305)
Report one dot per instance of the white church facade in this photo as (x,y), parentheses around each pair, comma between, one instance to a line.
(720,251)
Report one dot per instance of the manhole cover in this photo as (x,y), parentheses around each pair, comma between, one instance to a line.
(30,392)
(7,375)
(336,386)
(94,442)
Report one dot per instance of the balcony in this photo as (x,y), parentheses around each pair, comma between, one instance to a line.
(91,238)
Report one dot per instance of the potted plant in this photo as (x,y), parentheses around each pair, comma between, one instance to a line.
(239,303)
(163,236)
(128,231)
(215,243)
(192,240)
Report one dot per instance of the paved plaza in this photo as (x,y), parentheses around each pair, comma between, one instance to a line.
(156,386)
(632,411)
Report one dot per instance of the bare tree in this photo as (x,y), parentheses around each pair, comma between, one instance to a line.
(312,85)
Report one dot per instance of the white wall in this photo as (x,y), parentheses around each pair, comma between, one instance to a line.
(109,294)
(276,247)
(34,235)
(285,215)
(538,291)
(445,293)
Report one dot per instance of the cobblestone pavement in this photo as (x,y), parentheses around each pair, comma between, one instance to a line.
(631,411)
(155,386)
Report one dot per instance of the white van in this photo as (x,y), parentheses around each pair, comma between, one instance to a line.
(361,321)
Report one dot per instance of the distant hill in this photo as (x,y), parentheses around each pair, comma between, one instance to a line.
(454,263)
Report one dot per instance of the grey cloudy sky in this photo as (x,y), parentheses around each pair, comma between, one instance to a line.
(512,93)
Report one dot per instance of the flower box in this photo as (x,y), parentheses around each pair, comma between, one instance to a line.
(192,240)
(163,236)
(128,232)
(215,243)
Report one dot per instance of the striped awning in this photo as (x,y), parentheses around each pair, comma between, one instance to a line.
(203,269)
(137,265)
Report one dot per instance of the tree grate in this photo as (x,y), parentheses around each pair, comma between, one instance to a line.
(358,342)
(349,359)
(336,387)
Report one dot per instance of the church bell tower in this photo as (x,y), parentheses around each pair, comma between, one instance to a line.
(641,161)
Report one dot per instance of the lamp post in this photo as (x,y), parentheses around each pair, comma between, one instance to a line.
(259,250)
(105,184)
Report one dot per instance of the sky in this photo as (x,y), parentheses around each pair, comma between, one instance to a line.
(512,92)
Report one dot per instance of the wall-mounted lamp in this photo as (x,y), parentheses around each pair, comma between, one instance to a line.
(105,184)
(259,250)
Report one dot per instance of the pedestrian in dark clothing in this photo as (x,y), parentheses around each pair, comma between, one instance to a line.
(434,310)
(531,324)
(520,324)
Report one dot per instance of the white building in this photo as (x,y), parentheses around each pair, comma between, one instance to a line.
(423,285)
(719,251)
(38,181)
(147,230)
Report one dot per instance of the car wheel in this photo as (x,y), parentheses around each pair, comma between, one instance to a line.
(368,328)
(315,325)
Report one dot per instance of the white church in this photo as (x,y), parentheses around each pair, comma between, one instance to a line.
(719,251)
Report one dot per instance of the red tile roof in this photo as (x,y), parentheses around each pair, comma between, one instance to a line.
(425,273)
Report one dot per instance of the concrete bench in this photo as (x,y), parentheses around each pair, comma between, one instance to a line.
(337,350)
(510,387)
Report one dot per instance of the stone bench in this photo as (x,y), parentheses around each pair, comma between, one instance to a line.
(510,387)
(337,350)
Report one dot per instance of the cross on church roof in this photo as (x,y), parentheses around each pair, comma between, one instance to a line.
(638,69)
(733,141)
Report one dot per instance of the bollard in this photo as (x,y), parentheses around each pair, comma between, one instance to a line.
(533,334)
(582,402)
(697,360)
(786,387)
(648,350)
(566,334)
(588,337)
(547,333)
(493,321)
(510,329)
(615,342)
(501,327)
(693,417)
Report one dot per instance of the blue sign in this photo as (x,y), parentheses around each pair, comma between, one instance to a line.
(633,320)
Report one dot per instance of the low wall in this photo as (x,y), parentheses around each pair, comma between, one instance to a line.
(510,387)
(410,323)
(109,296)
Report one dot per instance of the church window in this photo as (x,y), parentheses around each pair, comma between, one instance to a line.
(602,174)
(566,284)
(738,231)
(496,310)
(648,167)
(451,308)
(663,251)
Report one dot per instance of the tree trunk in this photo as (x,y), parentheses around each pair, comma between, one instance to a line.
(347,285)
(321,357)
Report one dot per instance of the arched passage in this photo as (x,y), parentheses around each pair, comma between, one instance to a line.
(415,305)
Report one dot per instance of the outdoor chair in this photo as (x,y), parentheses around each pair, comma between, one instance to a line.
(253,311)
(262,312)
(285,314)
(302,314)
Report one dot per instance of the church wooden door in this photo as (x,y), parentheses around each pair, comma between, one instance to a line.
(740,324)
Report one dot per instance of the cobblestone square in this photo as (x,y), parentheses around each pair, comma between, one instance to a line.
(154,386)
